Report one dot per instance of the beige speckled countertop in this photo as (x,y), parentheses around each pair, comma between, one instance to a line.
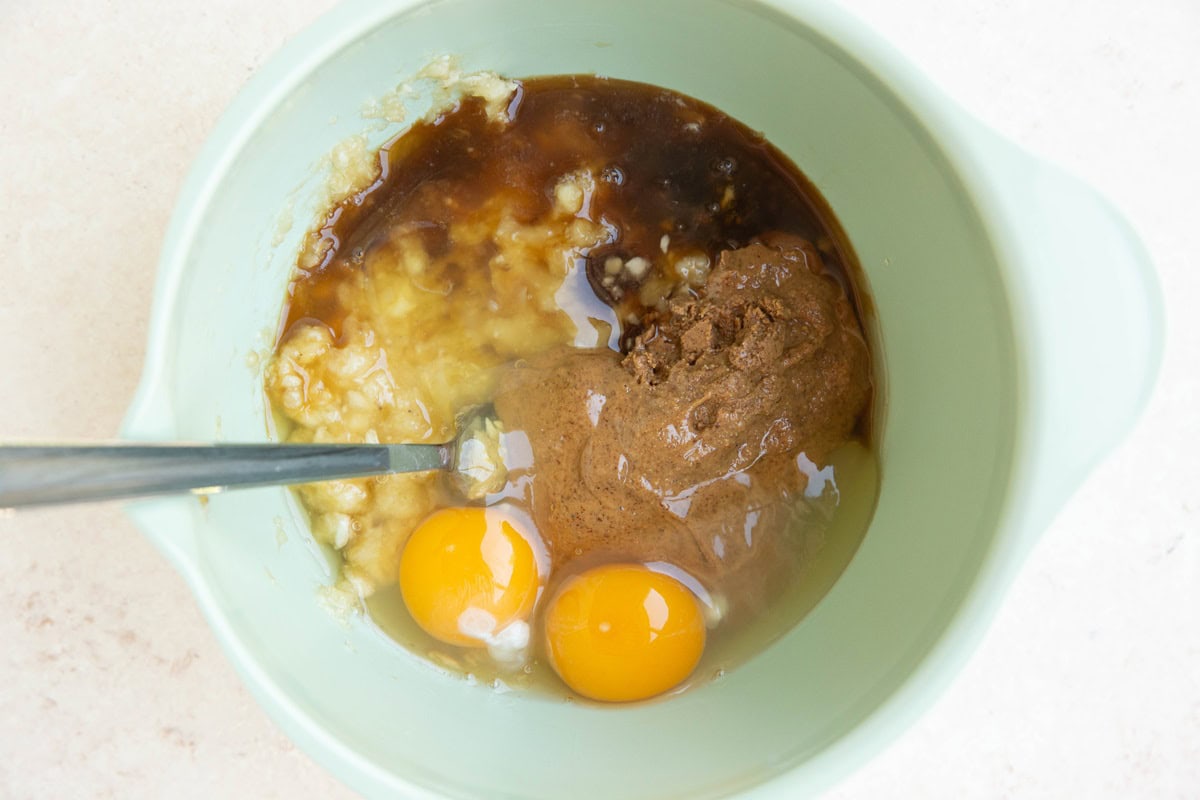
(111,685)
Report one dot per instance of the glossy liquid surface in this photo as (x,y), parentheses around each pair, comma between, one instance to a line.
(485,242)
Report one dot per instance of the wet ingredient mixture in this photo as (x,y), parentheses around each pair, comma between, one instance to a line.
(661,310)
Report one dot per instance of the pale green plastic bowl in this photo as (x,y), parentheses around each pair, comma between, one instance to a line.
(1021,330)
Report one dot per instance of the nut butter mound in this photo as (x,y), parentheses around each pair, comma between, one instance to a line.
(683,450)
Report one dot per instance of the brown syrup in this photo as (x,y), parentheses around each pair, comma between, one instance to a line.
(664,165)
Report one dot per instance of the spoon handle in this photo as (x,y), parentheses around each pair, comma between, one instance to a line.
(33,475)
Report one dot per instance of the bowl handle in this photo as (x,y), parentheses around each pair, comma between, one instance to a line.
(170,523)
(1086,296)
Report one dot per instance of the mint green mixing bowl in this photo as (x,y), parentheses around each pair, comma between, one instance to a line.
(1021,333)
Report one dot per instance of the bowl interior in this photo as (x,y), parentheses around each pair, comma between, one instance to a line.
(381,718)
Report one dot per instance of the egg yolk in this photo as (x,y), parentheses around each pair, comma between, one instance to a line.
(623,632)
(466,574)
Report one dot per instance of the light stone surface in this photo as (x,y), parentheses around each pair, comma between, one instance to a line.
(1088,685)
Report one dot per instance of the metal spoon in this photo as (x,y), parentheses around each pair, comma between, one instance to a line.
(32,475)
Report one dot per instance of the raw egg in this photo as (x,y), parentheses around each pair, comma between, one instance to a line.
(467,575)
(622,632)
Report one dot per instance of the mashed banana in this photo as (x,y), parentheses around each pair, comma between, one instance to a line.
(407,361)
